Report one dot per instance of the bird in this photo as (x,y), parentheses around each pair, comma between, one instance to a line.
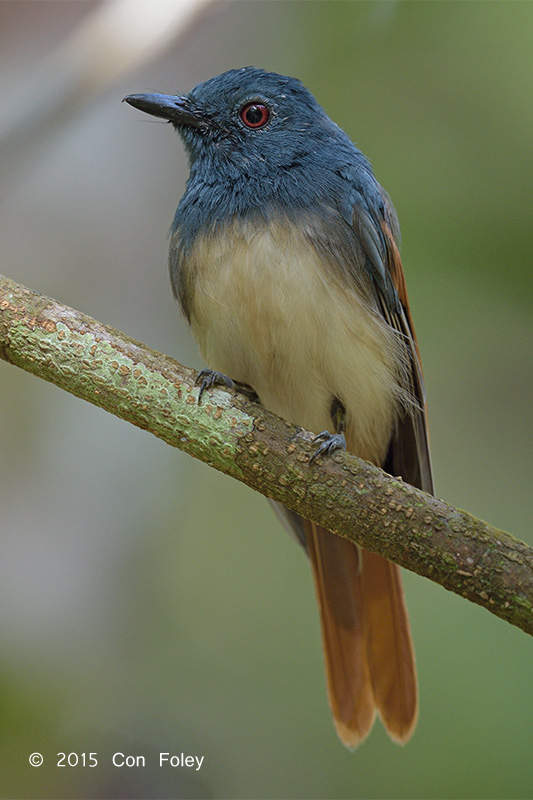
(284,258)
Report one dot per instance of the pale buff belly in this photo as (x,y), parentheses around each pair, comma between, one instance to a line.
(265,313)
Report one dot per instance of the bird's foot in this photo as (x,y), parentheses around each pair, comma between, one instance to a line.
(207,378)
(329,443)
(332,441)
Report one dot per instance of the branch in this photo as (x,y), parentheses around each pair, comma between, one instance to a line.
(238,437)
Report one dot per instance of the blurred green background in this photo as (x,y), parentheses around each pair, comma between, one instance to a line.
(150,604)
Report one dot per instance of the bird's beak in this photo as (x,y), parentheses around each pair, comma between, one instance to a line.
(175,108)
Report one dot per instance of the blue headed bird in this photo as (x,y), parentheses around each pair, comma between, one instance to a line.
(284,259)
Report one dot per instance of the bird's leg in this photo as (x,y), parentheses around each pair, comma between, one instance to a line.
(207,378)
(332,441)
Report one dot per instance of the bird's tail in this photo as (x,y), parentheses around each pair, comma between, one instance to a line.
(367,644)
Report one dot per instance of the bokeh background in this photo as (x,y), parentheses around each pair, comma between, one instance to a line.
(150,604)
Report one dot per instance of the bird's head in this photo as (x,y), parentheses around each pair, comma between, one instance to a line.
(249,118)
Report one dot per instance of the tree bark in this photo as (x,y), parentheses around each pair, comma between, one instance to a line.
(236,436)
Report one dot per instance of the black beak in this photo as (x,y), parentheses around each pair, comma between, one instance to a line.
(175,108)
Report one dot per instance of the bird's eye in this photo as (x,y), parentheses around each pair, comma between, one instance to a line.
(254,115)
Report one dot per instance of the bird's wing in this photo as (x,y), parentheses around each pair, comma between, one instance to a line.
(378,231)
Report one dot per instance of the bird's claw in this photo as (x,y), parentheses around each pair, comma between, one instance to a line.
(330,443)
(207,378)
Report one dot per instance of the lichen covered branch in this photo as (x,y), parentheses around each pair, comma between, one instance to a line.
(238,437)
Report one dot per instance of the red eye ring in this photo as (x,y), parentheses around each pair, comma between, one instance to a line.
(255,115)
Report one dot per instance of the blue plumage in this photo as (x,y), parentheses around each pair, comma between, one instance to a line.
(299,163)
(300,159)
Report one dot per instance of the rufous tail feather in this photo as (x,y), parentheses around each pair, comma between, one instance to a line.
(366,638)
